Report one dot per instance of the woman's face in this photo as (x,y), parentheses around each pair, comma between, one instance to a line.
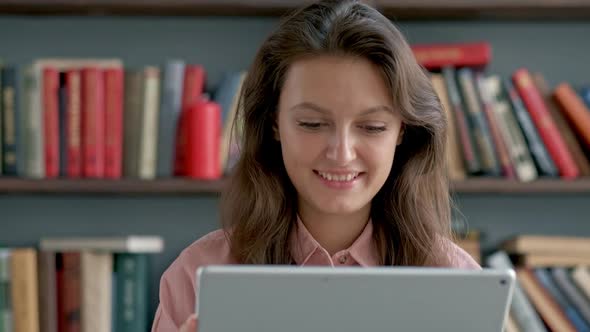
(338,132)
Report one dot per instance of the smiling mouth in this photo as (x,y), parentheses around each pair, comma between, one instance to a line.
(346,177)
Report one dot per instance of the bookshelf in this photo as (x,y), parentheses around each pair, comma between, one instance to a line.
(400,9)
(225,34)
(182,186)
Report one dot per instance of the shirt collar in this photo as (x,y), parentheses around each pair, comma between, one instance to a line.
(303,246)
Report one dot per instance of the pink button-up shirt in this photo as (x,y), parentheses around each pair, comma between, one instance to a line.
(178,288)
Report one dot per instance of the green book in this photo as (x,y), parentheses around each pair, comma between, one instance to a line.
(5,298)
(131,272)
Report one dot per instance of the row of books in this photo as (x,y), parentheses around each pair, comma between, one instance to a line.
(518,128)
(94,118)
(77,284)
(552,290)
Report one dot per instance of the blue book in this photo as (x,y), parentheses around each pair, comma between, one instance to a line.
(570,291)
(570,311)
(170,108)
(478,122)
(585,95)
(11,156)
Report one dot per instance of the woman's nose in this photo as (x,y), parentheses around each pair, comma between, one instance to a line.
(341,148)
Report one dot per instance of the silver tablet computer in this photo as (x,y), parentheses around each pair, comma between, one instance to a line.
(270,298)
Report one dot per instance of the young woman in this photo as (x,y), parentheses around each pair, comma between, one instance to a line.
(343,158)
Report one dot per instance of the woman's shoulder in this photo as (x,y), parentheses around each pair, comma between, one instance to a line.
(212,248)
(178,286)
(459,258)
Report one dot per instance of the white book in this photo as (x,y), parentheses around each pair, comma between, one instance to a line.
(581,276)
(128,244)
(97,289)
(522,310)
(149,129)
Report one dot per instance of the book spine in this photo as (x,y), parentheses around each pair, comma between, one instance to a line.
(571,313)
(524,313)
(96,273)
(585,95)
(543,302)
(34,128)
(51,121)
(575,110)
(495,126)
(6,318)
(62,101)
(169,114)
(132,122)
(454,159)
(546,126)
(93,123)
(74,124)
(194,84)
(478,122)
(436,56)
(543,160)
(131,271)
(68,291)
(574,296)
(581,276)
(470,156)
(520,156)
(25,293)
(149,129)
(10,122)
(114,123)
(47,291)
(561,123)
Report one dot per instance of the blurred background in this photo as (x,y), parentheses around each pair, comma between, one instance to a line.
(137,67)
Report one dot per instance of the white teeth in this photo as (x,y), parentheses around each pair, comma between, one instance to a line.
(335,177)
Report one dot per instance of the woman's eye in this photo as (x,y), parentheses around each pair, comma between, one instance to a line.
(311,125)
(374,129)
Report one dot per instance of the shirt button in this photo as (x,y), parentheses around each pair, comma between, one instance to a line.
(342,259)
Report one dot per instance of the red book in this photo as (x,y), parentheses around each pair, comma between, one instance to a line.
(203,123)
(68,291)
(73,123)
(193,86)
(51,121)
(542,119)
(495,131)
(113,123)
(93,122)
(436,56)
(574,109)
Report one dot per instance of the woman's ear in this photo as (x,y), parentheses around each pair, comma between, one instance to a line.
(275,131)
(400,136)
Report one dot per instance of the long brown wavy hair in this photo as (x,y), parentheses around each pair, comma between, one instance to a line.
(411,212)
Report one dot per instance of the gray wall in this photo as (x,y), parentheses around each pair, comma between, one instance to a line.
(558,49)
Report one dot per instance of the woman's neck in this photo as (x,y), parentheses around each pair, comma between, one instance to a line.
(334,232)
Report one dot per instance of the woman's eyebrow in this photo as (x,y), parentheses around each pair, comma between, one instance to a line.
(377,109)
(310,106)
(313,107)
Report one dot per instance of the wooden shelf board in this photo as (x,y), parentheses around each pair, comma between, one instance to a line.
(500,186)
(399,9)
(180,186)
(111,187)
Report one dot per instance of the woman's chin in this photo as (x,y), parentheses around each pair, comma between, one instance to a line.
(340,207)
